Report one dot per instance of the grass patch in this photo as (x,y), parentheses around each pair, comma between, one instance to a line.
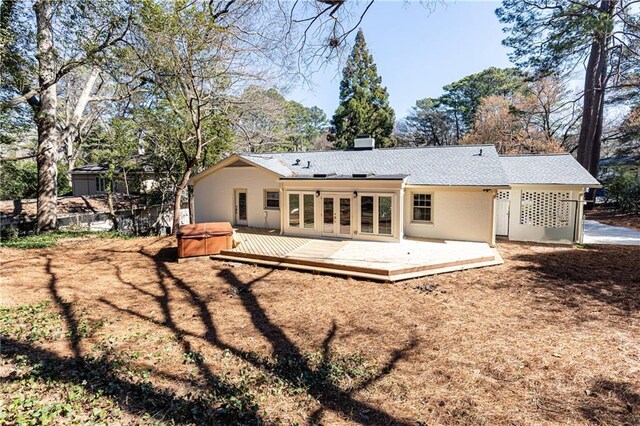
(97,389)
(313,370)
(583,246)
(36,323)
(50,239)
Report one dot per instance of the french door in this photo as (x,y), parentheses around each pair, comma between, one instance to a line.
(336,216)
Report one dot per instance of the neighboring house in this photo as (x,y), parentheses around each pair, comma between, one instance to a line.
(91,180)
(611,165)
(450,193)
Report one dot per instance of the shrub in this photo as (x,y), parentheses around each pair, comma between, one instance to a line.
(9,233)
(623,188)
(18,179)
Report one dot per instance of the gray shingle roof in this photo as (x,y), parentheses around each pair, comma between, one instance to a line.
(546,169)
(89,168)
(460,165)
(100,169)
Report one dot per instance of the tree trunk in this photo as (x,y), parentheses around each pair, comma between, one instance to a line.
(112,210)
(46,119)
(73,128)
(192,217)
(457,121)
(177,204)
(589,141)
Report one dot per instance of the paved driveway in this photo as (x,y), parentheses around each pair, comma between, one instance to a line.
(599,233)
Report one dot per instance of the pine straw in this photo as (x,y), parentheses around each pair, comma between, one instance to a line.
(551,336)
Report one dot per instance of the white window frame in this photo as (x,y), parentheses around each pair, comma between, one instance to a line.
(376,214)
(414,220)
(100,179)
(265,196)
(300,195)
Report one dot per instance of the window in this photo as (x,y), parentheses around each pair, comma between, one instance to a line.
(366,214)
(376,214)
(294,210)
(384,215)
(421,208)
(100,184)
(301,210)
(271,199)
(308,204)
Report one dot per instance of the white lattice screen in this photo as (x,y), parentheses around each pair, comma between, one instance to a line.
(502,195)
(544,208)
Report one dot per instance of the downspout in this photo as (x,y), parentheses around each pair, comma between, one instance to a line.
(576,237)
(580,216)
(492,228)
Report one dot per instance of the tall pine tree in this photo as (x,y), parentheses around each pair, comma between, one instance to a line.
(364,102)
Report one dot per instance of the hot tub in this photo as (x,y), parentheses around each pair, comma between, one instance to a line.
(202,239)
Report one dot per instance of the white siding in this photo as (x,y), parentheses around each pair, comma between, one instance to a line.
(557,234)
(457,214)
(214,196)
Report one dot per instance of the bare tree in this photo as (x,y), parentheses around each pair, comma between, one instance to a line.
(192,58)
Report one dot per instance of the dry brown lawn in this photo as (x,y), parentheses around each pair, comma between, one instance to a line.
(550,337)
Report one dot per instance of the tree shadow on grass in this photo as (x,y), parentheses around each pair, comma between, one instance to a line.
(603,274)
(289,363)
(99,376)
(292,366)
(225,402)
(66,309)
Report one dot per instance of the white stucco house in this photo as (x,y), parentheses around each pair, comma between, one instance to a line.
(464,192)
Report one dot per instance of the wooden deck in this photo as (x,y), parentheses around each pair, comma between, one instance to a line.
(387,261)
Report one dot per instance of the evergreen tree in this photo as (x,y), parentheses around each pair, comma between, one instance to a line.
(364,102)
(557,37)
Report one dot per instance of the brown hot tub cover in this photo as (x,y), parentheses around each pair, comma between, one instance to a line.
(201,239)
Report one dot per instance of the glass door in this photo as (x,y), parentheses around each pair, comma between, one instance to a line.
(241,207)
(328,216)
(336,216)
(345,217)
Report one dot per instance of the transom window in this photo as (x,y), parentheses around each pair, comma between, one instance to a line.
(421,211)
(272,199)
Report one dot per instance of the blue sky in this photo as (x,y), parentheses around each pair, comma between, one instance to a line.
(417,51)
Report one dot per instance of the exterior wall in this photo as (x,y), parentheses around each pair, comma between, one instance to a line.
(214,196)
(83,184)
(346,188)
(563,235)
(457,214)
